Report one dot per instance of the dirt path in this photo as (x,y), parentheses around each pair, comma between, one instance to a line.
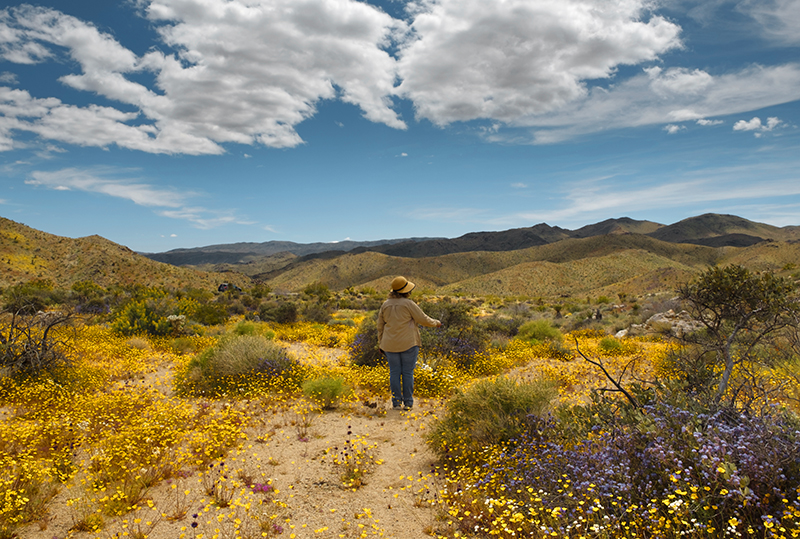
(292,450)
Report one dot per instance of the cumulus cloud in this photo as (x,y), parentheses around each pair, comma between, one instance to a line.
(245,72)
(755,124)
(471,59)
(673,129)
(706,122)
(250,71)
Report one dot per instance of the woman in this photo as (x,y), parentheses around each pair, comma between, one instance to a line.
(399,339)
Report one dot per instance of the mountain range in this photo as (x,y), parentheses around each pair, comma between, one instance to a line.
(614,256)
(712,230)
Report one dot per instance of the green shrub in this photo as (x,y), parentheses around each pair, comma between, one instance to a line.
(245,328)
(499,326)
(540,331)
(316,313)
(183,345)
(234,356)
(489,412)
(451,314)
(284,312)
(325,391)
(318,290)
(610,345)
(31,297)
(145,316)
(210,314)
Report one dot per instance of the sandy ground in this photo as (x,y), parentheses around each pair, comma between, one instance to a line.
(293,453)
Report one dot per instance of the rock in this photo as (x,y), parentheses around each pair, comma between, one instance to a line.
(676,324)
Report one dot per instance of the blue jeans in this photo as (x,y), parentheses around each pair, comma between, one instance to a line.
(401,375)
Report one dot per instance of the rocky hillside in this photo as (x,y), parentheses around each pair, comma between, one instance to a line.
(609,258)
(27,254)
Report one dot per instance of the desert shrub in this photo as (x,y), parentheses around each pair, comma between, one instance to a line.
(316,312)
(451,314)
(210,314)
(88,298)
(499,325)
(183,345)
(539,331)
(31,297)
(459,339)
(245,328)
(234,356)
(371,303)
(149,312)
(458,345)
(250,302)
(283,312)
(609,345)
(235,308)
(325,391)
(260,290)
(489,412)
(364,350)
(318,290)
(30,345)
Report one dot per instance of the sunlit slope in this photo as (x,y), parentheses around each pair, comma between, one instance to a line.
(27,254)
(561,267)
(631,271)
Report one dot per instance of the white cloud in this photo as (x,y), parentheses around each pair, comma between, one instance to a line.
(245,71)
(7,77)
(673,129)
(705,122)
(755,124)
(643,100)
(519,185)
(73,179)
(249,71)
(779,19)
(105,181)
(472,59)
(585,203)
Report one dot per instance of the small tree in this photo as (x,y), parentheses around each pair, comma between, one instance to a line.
(739,311)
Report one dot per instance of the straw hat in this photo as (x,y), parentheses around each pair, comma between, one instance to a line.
(401,285)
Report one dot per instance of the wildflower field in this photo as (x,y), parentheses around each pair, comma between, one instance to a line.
(585,435)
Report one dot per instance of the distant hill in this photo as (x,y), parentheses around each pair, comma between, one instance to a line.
(27,254)
(723,230)
(608,258)
(246,252)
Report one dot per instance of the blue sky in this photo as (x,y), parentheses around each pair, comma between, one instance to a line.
(162,124)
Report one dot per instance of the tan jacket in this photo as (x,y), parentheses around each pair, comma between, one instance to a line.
(397,324)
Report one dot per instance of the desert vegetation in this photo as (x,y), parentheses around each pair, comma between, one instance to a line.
(145,411)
